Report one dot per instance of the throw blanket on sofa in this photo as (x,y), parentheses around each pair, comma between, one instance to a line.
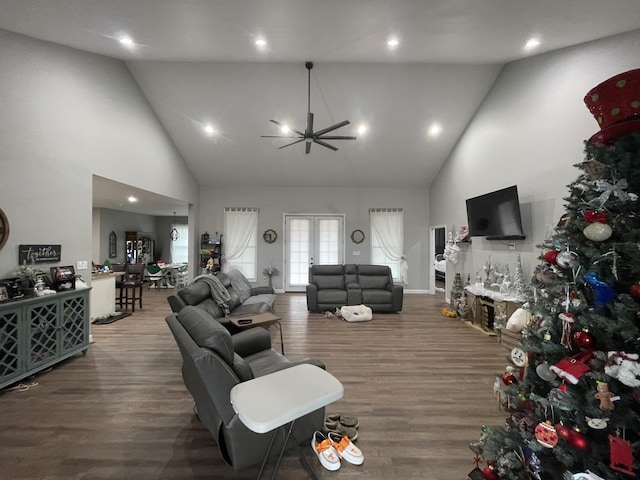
(240,284)
(218,292)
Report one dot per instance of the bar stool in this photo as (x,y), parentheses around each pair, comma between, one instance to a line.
(131,287)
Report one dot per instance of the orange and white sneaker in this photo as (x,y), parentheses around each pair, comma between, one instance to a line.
(324,450)
(346,449)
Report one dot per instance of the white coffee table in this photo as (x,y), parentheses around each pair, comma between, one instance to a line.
(267,403)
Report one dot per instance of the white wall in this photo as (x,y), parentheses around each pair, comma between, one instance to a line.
(353,202)
(65,116)
(530,132)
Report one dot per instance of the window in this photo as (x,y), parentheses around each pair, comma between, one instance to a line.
(240,241)
(179,248)
(387,240)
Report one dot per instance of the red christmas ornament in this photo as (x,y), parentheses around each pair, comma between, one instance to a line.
(550,256)
(583,339)
(594,216)
(546,434)
(634,290)
(577,440)
(562,431)
(489,473)
(509,378)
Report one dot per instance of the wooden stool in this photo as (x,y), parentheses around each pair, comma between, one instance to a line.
(131,286)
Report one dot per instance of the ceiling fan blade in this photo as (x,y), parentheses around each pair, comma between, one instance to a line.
(325,144)
(337,137)
(292,143)
(283,125)
(332,128)
(279,136)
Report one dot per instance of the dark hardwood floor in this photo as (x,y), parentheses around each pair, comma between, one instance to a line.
(420,383)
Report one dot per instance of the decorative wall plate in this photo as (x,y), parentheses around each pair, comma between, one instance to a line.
(4,229)
(357,236)
(270,236)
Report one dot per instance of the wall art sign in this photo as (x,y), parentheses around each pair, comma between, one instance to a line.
(39,254)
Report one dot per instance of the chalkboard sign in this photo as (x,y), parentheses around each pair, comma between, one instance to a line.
(39,254)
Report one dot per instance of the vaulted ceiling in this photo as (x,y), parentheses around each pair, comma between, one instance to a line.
(198,64)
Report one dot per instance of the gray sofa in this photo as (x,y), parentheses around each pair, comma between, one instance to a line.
(334,286)
(245,299)
(213,361)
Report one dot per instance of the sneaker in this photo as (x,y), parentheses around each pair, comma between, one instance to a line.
(346,449)
(334,421)
(349,421)
(325,451)
(331,422)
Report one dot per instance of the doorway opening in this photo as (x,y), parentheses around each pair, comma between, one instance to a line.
(438,265)
(311,239)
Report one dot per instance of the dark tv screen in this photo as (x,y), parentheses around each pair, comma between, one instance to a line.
(495,215)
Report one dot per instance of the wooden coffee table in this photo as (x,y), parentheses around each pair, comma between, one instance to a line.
(259,320)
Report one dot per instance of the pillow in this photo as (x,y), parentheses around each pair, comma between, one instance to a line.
(518,320)
(207,332)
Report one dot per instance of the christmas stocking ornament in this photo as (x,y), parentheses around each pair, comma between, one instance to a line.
(572,368)
(621,455)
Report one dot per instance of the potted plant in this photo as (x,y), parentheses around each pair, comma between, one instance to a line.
(28,276)
(270,271)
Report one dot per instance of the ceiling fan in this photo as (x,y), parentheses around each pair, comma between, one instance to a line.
(309,136)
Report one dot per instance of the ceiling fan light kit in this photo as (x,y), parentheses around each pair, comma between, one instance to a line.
(309,136)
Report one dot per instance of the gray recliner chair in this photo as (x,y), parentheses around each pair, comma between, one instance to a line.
(213,361)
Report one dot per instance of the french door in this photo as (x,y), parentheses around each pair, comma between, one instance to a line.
(311,239)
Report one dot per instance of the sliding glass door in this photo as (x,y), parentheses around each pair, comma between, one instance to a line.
(311,239)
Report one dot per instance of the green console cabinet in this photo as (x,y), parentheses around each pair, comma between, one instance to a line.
(38,332)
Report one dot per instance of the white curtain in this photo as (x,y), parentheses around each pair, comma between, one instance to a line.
(241,225)
(387,230)
(179,249)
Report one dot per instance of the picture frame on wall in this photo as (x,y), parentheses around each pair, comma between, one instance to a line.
(63,278)
(113,245)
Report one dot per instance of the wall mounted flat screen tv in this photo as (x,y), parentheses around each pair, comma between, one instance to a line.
(496,215)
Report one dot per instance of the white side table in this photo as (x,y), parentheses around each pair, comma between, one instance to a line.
(267,403)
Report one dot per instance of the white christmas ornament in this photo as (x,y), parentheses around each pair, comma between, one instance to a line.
(597,232)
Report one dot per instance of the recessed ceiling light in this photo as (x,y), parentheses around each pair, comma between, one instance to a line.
(532,43)
(393,43)
(362,129)
(209,130)
(285,129)
(127,41)
(261,42)
(132,199)
(434,130)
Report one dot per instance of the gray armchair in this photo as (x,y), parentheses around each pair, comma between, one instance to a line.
(213,362)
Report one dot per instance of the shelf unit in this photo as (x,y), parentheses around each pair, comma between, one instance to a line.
(38,332)
(208,250)
(139,247)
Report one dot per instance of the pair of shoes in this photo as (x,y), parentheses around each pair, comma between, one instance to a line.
(342,424)
(324,450)
(334,448)
(346,449)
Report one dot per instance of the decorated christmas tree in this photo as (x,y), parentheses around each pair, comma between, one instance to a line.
(573,396)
